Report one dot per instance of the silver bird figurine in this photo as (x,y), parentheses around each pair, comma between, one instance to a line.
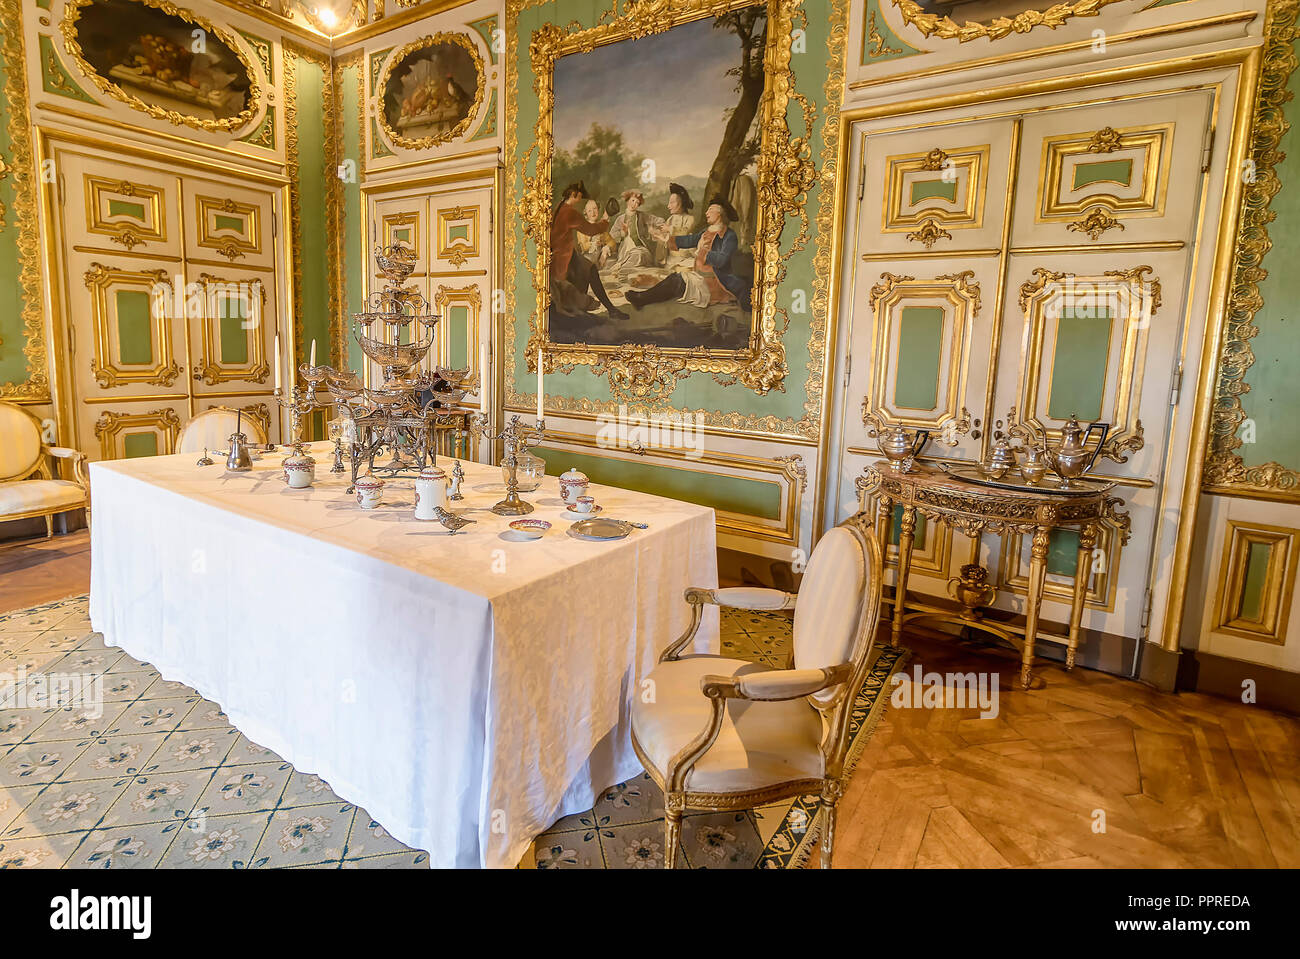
(451,521)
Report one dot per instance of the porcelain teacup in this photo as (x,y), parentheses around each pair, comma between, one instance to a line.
(585,504)
(370,492)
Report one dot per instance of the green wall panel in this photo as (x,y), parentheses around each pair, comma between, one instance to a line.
(920,351)
(1252,589)
(734,494)
(140,444)
(1063,552)
(126,208)
(1103,171)
(134,327)
(1078,379)
(918,534)
(353,252)
(458,347)
(929,189)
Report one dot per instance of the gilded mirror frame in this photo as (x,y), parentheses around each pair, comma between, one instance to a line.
(399,55)
(641,372)
(68,27)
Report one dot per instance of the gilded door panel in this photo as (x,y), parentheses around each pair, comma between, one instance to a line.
(232,331)
(127,338)
(140,428)
(1119,173)
(229,224)
(120,208)
(919,341)
(404,220)
(935,190)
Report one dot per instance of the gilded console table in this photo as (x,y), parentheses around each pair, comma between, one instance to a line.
(974,508)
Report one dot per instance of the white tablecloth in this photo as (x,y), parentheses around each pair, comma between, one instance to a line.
(465,690)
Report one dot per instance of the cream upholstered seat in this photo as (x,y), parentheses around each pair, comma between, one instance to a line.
(719,733)
(211,429)
(28,486)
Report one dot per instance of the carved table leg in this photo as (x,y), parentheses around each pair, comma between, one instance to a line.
(906,536)
(1082,573)
(1037,573)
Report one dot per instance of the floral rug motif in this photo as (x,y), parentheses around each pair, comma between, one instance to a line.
(157,777)
(625,829)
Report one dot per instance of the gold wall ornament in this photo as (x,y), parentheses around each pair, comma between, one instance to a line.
(5,170)
(1095,223)
(398,59)
(934,160)
(785,173)
(877,47)
(1266,616)
(929,233)
(1225,469)
(209,208)
(638,373)
(22,168)
(68,27)
(206,366)
(792,466)
(934,25)
(1105,140)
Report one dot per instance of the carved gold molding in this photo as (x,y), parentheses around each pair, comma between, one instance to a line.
(934,25)
(424,143)
(929,233)
(110,424)
(785,173)
(1225,469)
(68,27)
(98,279)
(1095,223)
(206,366)
(22,169)
(228,246)
(1137,296)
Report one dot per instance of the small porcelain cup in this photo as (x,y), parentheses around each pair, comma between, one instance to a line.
(585,504)
(370,492)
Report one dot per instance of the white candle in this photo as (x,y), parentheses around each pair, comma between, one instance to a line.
(541,398)
(277,362)
(312,361)
(482,377)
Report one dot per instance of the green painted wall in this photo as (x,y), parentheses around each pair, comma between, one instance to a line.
(313,254)
(13,365)
(348,99)
(1272,379)
(737,495)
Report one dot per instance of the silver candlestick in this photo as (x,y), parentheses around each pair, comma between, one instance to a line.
(517,438)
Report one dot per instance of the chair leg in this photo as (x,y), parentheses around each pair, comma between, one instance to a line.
(832,789)
(673,806)
(49,526)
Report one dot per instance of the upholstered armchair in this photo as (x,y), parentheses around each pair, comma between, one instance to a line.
(718,733)
(29,487)
(211,429)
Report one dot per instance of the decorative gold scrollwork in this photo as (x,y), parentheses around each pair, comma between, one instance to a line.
(929,234)
(641,374)
(934,160)
(1096,222)
(934,25)
(1105,140)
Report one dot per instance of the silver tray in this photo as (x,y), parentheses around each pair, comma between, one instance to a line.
(1050,483)
(598,528)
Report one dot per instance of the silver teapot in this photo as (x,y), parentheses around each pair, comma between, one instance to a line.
(1072,458)
(897,444)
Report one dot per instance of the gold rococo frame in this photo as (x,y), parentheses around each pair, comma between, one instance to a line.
(945,28)
(68,27)
(400,54)
(647,374)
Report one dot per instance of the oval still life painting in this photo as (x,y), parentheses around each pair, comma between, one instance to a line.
(163,60)
(431,91)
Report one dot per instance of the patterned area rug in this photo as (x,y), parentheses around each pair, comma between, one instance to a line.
(155,776)
(625,830)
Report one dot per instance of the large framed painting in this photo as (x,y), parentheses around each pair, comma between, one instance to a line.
(431,90)
(665,172)
(163,60)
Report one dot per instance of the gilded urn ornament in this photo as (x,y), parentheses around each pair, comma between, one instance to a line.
(972,590)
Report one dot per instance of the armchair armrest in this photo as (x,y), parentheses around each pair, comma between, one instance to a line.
(78,459)
(64,453)
(777,684)
(737,597)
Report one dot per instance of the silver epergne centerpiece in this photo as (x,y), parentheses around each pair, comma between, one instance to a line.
(394,424)
(517,439)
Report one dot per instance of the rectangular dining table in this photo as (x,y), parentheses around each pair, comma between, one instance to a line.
(467,690)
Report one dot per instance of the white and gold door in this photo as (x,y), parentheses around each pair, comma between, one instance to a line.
(168,285)
(1037,263)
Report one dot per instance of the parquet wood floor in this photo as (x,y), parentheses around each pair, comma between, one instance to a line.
(1176,780)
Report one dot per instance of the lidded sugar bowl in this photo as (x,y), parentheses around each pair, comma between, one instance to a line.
(573,483)
(299,469)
